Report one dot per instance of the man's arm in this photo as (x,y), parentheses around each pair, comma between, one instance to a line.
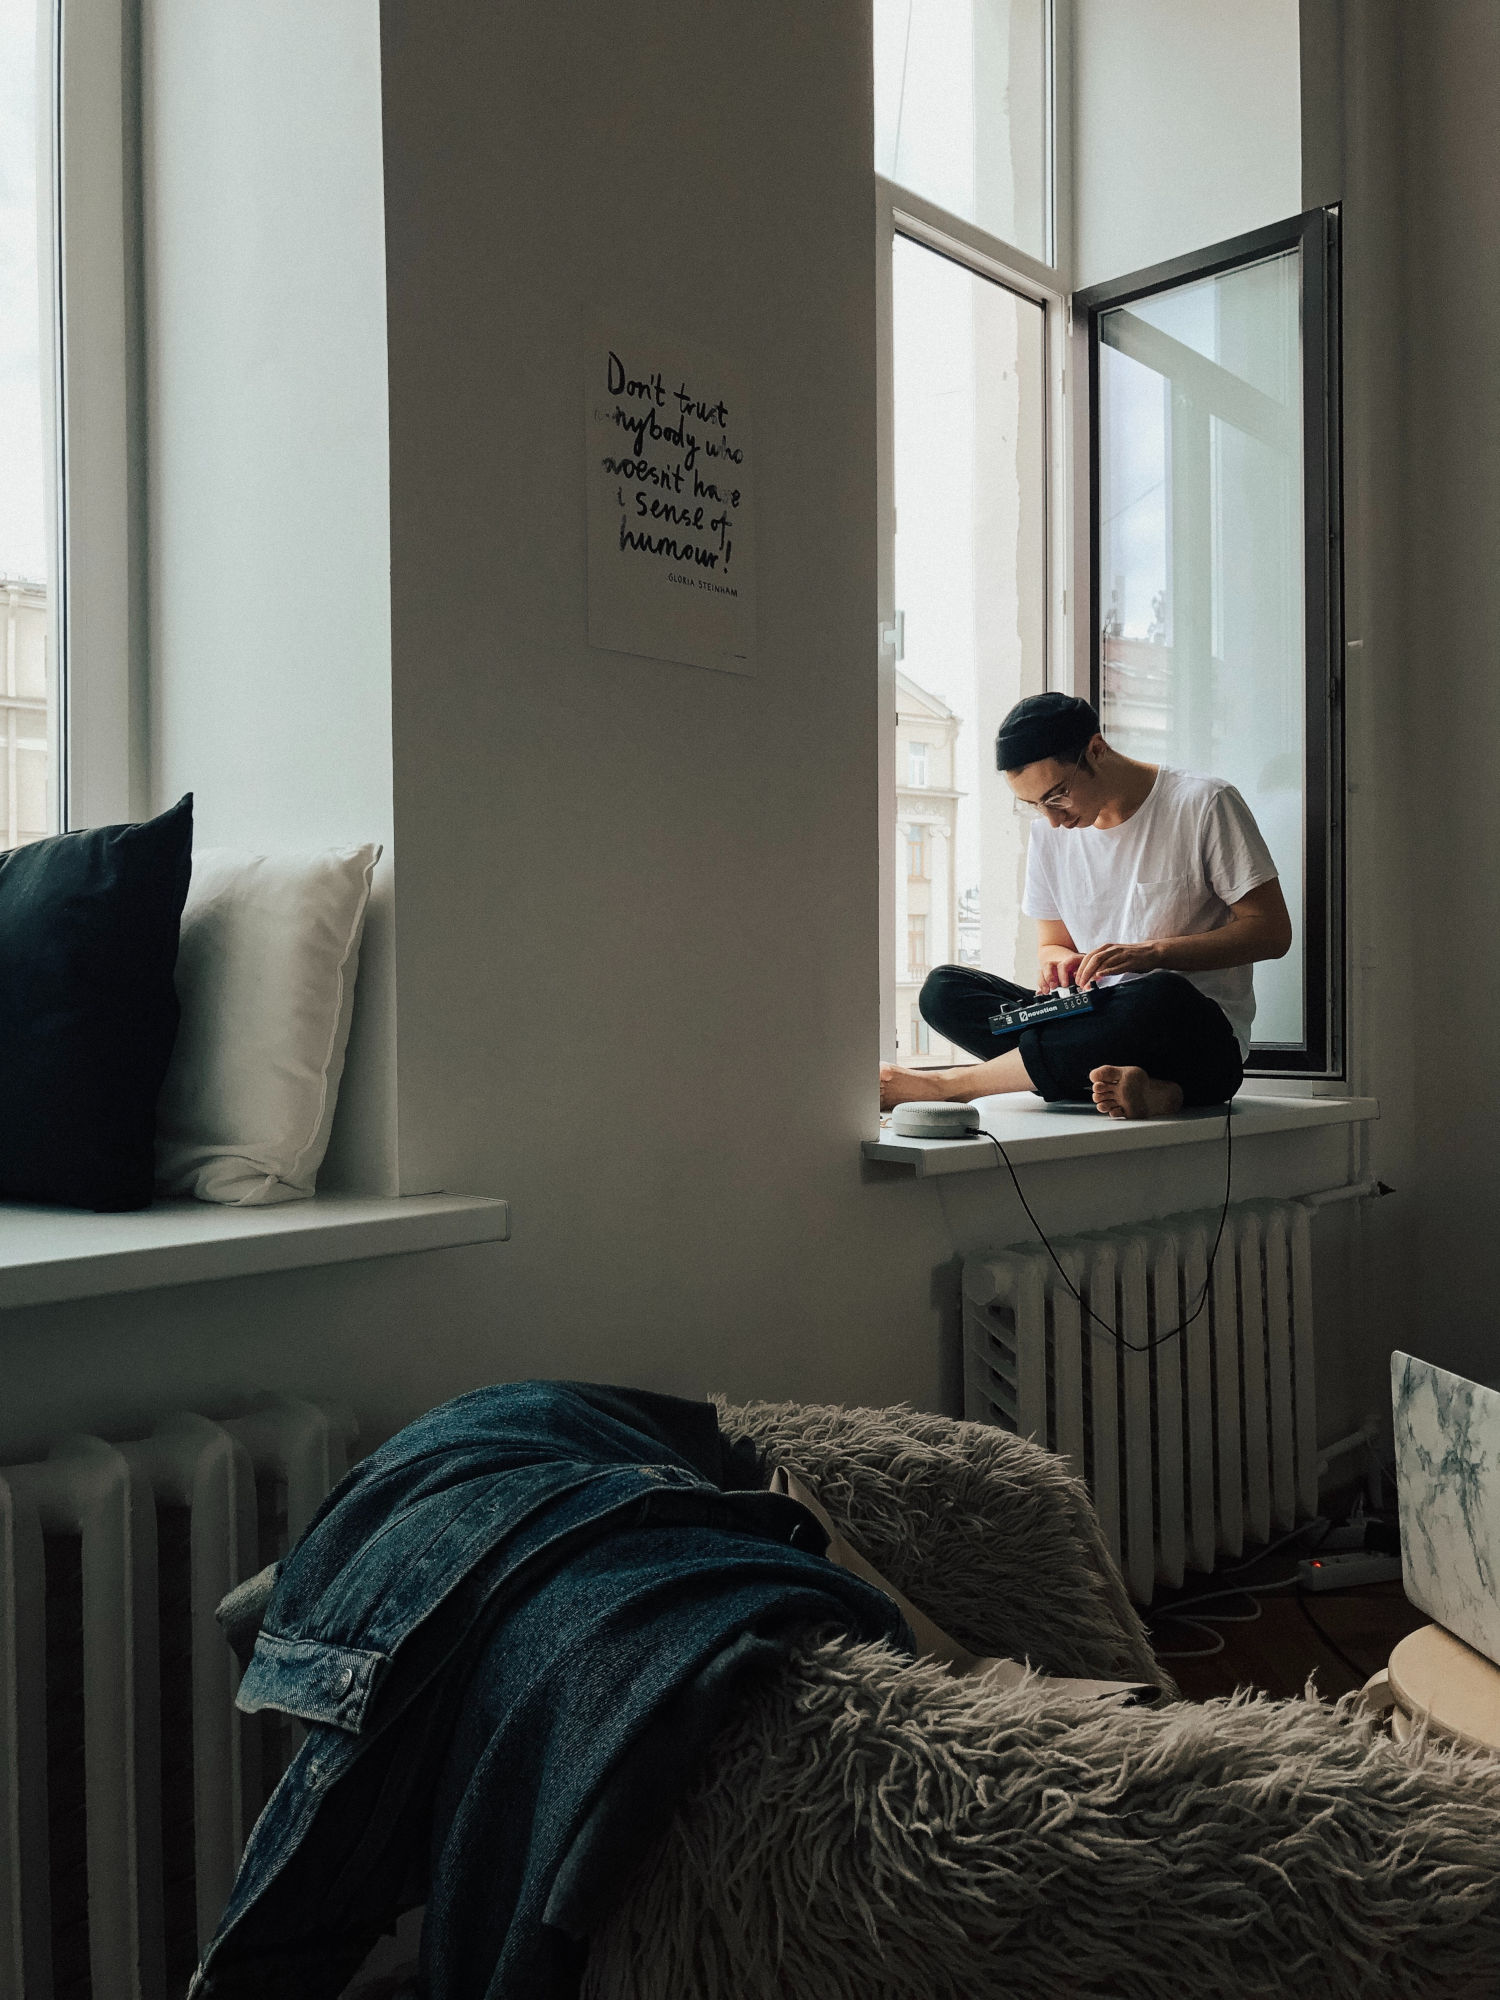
(1259,927)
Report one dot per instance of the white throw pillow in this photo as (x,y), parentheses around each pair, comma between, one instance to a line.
(265,974)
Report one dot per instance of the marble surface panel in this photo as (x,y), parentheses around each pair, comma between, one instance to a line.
(1448,1475)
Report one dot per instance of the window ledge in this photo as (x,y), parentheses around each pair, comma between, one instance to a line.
(48,1254)
(1030,1129)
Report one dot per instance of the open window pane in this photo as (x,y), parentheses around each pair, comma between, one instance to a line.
(1202,561)
(27,808)
(969,380)
(961,110)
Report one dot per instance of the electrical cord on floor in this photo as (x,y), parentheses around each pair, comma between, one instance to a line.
(1182,1613)
(1350,1665)
(1197,1652)
(1189,1615)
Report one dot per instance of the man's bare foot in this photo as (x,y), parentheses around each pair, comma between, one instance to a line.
(1123,1091)
(918,1086)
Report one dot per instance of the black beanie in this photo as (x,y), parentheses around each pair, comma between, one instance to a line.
(1045,725)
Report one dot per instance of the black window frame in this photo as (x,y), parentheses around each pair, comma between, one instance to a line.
(1316,235)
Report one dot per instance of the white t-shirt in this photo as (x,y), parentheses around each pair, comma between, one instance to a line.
(1189,850)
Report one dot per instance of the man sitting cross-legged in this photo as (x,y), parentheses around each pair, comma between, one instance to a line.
(1154,891)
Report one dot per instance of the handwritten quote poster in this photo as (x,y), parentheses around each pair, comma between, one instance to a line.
(670,501)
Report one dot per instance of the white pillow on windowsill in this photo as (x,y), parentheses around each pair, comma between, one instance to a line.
(265,974)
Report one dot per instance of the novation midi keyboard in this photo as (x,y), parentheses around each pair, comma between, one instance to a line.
(1046,1007)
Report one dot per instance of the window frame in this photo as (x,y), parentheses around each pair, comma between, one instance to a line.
(901,213)
(92,243)
(1315,234)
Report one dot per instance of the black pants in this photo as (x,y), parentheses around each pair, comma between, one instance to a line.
(1162,1023)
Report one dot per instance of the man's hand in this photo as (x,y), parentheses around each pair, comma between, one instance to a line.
(1107,959)
(1060,970)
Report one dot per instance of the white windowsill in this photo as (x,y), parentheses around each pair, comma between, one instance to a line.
(1029,1129)
(47,1254)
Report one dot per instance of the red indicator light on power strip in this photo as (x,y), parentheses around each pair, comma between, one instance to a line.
(1340,1572)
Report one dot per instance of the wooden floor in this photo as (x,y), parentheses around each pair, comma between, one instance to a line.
(1338,1638)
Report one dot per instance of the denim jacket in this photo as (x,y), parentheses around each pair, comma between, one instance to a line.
(512,1631)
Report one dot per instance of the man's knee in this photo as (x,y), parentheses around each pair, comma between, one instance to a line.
(940,989)
(1162,1005)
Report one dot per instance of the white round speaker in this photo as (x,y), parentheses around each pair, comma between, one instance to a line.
(934,1121)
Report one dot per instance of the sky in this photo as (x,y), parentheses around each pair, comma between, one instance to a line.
(23,517)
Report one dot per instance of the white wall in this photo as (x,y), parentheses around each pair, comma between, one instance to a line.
(1186,120)
(1445,769)
(268,480)
(1400,127)
(637,948)
(1353,154)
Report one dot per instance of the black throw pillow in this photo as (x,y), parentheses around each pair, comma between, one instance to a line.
(88,1011)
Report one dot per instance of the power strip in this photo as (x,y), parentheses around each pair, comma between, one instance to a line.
(1341,1571)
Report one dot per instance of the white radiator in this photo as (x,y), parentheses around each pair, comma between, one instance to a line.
(128,1782)
(1195,1446)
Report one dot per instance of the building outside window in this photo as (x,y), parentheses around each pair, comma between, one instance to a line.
(916,763)
(968,928)
(917,965)
(25,745)
(926,816)
(28,802)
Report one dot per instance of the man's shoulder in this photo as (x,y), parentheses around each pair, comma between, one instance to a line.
(1197,785)
(1195,794)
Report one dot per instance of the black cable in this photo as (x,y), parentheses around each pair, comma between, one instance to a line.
(1133,1346)
(1361,1674)
(1270,1548)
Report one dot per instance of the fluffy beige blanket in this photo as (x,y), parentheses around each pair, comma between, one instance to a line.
(871,1828)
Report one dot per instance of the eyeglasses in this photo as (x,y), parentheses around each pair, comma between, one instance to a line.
(1053,801)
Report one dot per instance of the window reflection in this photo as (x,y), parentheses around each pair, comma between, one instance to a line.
(1201,559)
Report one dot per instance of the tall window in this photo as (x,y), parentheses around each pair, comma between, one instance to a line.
(969,382)
(1215,542)
(1201,545)
(28,790)
(973,333)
